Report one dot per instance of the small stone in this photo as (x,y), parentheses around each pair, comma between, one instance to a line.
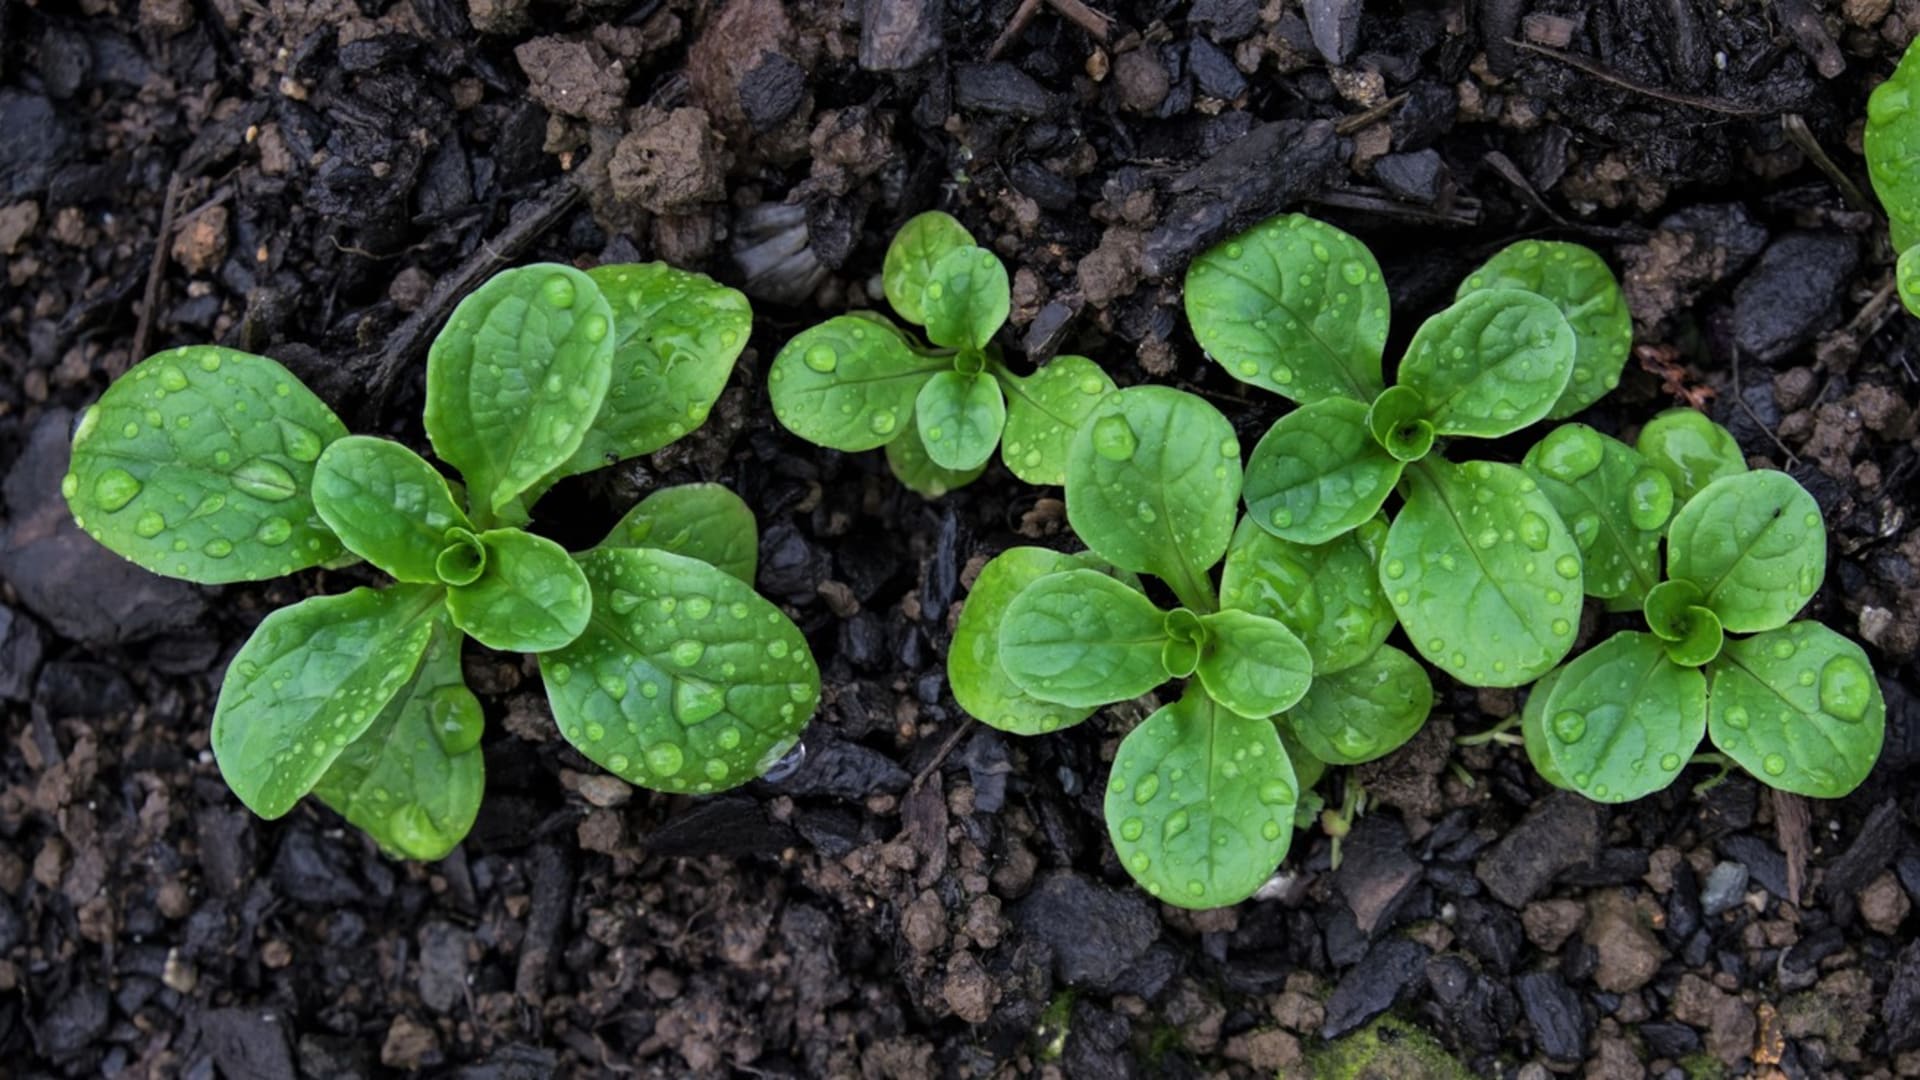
(1726,887)
(166,17)
(1554,1012)
(201,242)
(409,1045)
(604,790)
(1373,985)
(1729,1022)
(1268,1050)
(1628,954)
(1140,80)
(671,162)
(1561,831)
(1549,923)
(1096,933)
(969,991)
(924,923)
(1884,904)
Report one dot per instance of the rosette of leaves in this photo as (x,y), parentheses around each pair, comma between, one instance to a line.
(860,382)
(1892,146)
(662,664)
(1791,702)
(1203,794)
(1476,563)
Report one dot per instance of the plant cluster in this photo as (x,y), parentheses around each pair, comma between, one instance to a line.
(1892,146)
(660,661)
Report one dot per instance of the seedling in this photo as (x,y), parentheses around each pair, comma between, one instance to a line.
(1477,564)
(858,382)
(1892,144)
(661,662)
(1203,796)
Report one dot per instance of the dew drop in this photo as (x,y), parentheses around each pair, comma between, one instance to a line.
(172,379)
(209,361)
(1669,762)
(1846,689)
(1175,824)
(695,701)
(1534,531)
(1270,830)
(613,684)
(1649,499)
(1277,793)
(558,291)
(1113,438)
(1737,718)
(114,489)
(1782,648)
(264,479)
(821,358)
(1773,764)
(883,423)
(688,652)
(1132,829)
(217,548)
(150,524)
(1571,453)
(664,758)
(274,530)
(1567,566)
(1569,727)
(301,443)
(1146,789)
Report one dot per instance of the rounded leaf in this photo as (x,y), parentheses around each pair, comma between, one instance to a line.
(685,680)
(529,597)
(1398,421)
(910,259)
(1363,712)
(1082,639)
(848,383)
(1615,503)
(1691,450)
(1491,364)
(198,464)
(980,684)
(701,521)
(967,299)
(1252,664)
(908,461)
(1907,275)
(1799,708)
(1329,595)
(1892,145)
(1755,545)
(1533,719)
(387,505)
(1580,284)
(1622,719)
(960,418)
(1044,409)
(1318,473)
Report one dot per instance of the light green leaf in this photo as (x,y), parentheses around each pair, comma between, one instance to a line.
(1153,480)
(1483,574)
(515,379)
(1201,802)
(1533,719)
(967,299)
(1892,145)
(1363,712)
(686,680)
(1691,450)
(1615,503)
(907,459)
(1754,544)
(387,505)
(198,464)
(1043,411)
(1907,274)
(414,778)
(919,244)
(1491,364)
(960,418)
(980,683)
(1252,664)
(1398,421)
(530,595)
(1622,719)
(1579,283)
(1329,595)
(848,383)
(1295,306)
(1079,638)
(1318,473)
(1799,708)
(701,521)
(309,682)
(1691,634)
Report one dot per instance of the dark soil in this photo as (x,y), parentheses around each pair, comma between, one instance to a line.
(320,179)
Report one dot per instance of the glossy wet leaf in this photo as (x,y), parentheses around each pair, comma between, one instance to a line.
(980,683)
(1318,473)
(414,777)
(308,682)
(1252,664)
(685,679)
(967,299)
(1329,595)
(1691,450)
(1907,277)
(1799,708)
(1692,633)
(1892,145)
(387,505)
(848,383)
(198,464)
(1200,803)
(701,521)
(1363,712)
(1082,639)
(1398,421)
(515,379)
(1614,502)
(531,596)
(908,461)
(1622,719)
(910,259)
(1153,480)
(1491,364)
(1043,411)
(1481,599)
(1755,545)
(1533,719)
(960,418)
(1295,306)
(1581,285)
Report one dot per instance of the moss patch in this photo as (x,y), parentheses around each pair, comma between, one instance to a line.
(1386,1049)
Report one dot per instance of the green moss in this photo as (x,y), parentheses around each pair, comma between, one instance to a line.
(1703,1066)
(1050,1034)
(1386,1049)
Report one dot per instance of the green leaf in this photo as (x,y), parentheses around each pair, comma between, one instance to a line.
(515,379)
(414,778)
(1363,712)
(907,459)
(686,680)
(919,244)
(1579,283)
(1043,411)
(1754,544)
(1892,145)
(1622,719)
(1483,574)
(1079,638)
(1615,503)
(1398,421)
(1692,633)
(980,683)
(309,681)
(1491,364)
(1799,708)
(1907,274)
(1252,664)
(387,505)
(967,299)
(848,383)
(198,464)
(1318,473)
(676,336)
(530,597)
(1329,595)
(1533,719)
(1200,804)
(960,418)
(1153,480)
(701,521)
(1691,450)
(1295,306)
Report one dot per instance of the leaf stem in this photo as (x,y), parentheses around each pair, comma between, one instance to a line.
(1497,733)
(1725,764)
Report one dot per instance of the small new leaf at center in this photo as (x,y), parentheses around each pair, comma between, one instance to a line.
(960,418)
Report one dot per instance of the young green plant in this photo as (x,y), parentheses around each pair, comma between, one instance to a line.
(1892,145)
(858,382)
(661,662)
